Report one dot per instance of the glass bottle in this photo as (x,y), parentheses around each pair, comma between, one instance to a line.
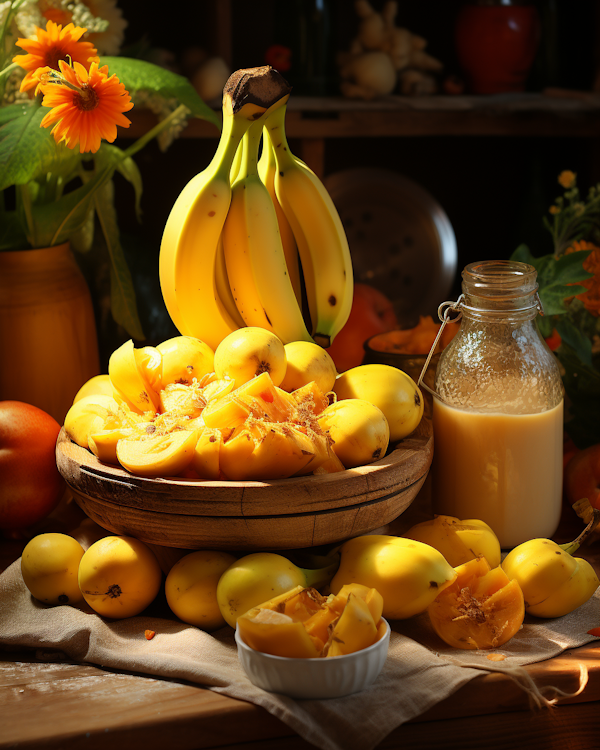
(498,409)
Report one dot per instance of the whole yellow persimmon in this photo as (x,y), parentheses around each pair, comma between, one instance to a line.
(191,588)
(49,566)
(392,390)
(358,429)
(248,352)
(458,541)
(119,576)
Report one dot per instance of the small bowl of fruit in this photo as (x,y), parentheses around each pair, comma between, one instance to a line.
(308,646)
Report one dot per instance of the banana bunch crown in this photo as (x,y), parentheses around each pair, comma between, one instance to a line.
(191,269)
(248,239)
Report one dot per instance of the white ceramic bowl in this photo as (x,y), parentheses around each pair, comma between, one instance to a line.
(331,677)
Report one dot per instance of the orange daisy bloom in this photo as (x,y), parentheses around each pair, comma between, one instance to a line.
(52,45)
(86,106)
(591,297)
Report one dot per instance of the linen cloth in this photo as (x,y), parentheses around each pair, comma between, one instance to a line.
(419,672)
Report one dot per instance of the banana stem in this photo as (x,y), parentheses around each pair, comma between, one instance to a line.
(573,546)
(275,129)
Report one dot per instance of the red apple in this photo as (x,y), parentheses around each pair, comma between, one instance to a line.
(30,483)
(371,313)
(582,476)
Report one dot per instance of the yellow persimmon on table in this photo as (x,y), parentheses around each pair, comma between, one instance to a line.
(142,711)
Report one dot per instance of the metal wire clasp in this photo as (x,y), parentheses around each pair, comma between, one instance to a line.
(444,316)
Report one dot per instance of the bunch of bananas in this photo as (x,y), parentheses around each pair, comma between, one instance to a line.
(248,236)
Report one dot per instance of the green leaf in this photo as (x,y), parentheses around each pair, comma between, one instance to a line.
(122,292)
(127,167)
(582,387)
(141,76)
(26,149)
(557,278)
(12,234)
(523,255)
(56,222)
(575,339)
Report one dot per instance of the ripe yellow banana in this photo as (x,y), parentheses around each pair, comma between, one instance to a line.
(256,265)
(223,287)
(188,254)
(267,166)
(553,582)
(318,230)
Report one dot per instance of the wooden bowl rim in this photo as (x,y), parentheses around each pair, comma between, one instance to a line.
(405,465)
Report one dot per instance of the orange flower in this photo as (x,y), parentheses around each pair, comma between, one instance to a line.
(554,340)
(52,45)
(591,297)
(86,105)
(567,178)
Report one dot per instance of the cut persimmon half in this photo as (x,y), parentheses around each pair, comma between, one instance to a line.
(481,609)
(160,455)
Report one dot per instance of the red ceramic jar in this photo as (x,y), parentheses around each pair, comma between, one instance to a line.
(496,43)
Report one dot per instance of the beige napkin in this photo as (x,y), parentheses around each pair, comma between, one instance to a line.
(418,673)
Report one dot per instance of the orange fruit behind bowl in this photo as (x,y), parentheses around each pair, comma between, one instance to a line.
(371,313)
(417,340)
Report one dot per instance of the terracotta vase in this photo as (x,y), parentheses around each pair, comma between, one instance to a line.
(48,340)
(496,43)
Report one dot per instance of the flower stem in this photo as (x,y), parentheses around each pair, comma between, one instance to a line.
(153,132)
(8,70)
(102,177)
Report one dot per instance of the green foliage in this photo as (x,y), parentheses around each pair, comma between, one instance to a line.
(141,76)
(558,275)
(56,191)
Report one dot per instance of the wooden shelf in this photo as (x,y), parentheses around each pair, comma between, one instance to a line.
(554,113)
(314,120)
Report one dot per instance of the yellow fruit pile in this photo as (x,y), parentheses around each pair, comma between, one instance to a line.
(253,409)
(336,606)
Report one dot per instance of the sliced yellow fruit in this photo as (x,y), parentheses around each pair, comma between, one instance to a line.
(129,382)
(354,630)
(217,388)
(304,605)
(182,399)
(149,362)
(276,633)
(482,608)
(87,416)
(370,596)
(261,452)
(103,444)
(310,397)
(159,455)
(233,409)
(206,454)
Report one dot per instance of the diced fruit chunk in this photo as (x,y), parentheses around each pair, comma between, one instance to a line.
(482,608)
(158,455)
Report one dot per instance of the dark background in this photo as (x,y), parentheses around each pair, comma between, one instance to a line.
(494,190)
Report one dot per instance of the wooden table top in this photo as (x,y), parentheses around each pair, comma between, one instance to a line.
(66,705)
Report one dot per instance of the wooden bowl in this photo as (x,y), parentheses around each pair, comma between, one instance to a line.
(282,514)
